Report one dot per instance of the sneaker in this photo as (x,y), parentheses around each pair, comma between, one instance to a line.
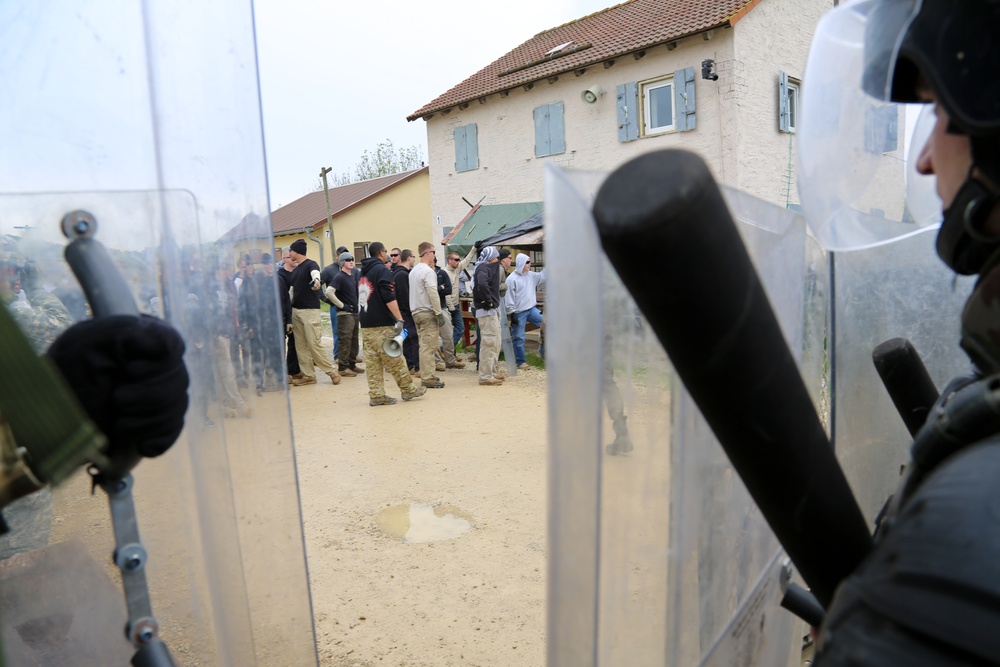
(298,382)
(416,393)
(297,376)
(348,373)
(334,377)
(491,382)
(523,367)
(382,400)
(439,367)
(457,364)
(433,383)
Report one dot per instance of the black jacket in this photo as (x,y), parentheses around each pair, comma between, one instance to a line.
(401,276)
(377,281)
(486,291)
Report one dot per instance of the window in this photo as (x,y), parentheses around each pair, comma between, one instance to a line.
(550,135)
(466,147)
(657,106)
(788,103)
(361,251)
(667,104)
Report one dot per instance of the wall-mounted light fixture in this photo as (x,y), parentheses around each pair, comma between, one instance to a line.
(708,70)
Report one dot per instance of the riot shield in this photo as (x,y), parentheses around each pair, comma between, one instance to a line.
(146,116)
(657,553)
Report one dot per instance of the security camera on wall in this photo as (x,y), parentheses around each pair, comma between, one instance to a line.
(592,94)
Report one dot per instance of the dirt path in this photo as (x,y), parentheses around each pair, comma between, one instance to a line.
(476,453)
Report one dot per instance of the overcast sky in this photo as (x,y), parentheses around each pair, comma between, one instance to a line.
(339,77)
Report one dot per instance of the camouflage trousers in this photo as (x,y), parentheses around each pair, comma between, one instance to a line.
(377,361)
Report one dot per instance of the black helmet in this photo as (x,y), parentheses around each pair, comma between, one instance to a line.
(953,43)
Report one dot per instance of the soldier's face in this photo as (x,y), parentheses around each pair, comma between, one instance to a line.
(948,156)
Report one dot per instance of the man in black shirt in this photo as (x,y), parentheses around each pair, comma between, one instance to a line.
(486,299)
(284,273)
(345,288)
(305,283)
(380,320)
(401,276)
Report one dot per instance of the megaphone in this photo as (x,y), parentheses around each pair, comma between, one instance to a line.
(393,347)
(591,95)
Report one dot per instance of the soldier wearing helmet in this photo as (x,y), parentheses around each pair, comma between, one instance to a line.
(929,593)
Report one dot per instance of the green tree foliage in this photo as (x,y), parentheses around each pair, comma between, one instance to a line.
(385,160)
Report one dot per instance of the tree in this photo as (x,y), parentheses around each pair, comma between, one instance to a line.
(385,161)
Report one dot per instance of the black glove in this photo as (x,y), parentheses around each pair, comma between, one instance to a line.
(398,327)
(477,247)
(128,374)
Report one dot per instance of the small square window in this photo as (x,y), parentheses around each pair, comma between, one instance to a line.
(657,106)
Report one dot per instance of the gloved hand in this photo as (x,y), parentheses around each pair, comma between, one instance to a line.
(288,329)
(398,327)
(441,320)
(128,374)
(315,279)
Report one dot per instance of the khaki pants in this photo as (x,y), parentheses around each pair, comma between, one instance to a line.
(446,344)
(377,361)
(306,328)
(427,330)
(489,348)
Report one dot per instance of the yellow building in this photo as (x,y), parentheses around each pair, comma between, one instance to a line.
(395,210)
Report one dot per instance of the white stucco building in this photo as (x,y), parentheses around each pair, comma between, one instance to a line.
(720,77)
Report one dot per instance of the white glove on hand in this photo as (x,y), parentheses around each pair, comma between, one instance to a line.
(315,279)
(331,296)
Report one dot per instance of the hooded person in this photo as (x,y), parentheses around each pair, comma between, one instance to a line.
(486,299)
(522,304)
(381,320)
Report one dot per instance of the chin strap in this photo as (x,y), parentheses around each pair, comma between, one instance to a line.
(961,243)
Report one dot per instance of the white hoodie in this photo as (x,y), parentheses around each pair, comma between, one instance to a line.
(521,286)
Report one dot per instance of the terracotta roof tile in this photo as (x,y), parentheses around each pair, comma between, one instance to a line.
(609,33)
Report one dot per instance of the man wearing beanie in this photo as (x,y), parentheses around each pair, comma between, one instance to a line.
(345,290)
(380,320)
(305,282)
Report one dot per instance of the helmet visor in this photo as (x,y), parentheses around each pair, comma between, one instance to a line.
(857,152)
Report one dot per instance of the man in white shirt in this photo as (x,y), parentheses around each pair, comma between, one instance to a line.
(425,304)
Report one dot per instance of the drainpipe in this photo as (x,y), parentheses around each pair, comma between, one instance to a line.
(320,244)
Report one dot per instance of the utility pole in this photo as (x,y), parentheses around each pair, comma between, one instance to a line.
(329,215)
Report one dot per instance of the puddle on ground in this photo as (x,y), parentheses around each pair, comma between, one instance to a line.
(418,522)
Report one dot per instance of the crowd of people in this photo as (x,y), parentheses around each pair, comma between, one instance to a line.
(402,312)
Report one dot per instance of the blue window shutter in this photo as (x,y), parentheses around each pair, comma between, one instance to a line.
(784,113)
(882,128)
(557,129)
(543,140)
(627,101)
(461,152)
(466,148)
(472,145)
(684,99)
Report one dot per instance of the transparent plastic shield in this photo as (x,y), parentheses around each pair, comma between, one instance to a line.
(657,553)
(897,290)
(147,116)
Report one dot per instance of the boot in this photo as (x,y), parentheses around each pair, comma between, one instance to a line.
(623,442)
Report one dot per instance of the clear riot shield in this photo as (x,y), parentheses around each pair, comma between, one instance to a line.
(147,116)
(903,290)
(657,553)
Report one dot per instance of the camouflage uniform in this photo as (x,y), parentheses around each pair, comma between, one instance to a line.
(376,360)
(43,320)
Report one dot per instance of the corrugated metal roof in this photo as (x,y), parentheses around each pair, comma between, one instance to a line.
(604,35)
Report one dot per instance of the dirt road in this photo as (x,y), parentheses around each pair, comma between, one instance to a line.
(462,458)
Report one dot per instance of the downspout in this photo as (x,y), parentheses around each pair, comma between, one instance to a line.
(320,244)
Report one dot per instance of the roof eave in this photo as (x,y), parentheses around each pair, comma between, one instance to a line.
(427,112)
